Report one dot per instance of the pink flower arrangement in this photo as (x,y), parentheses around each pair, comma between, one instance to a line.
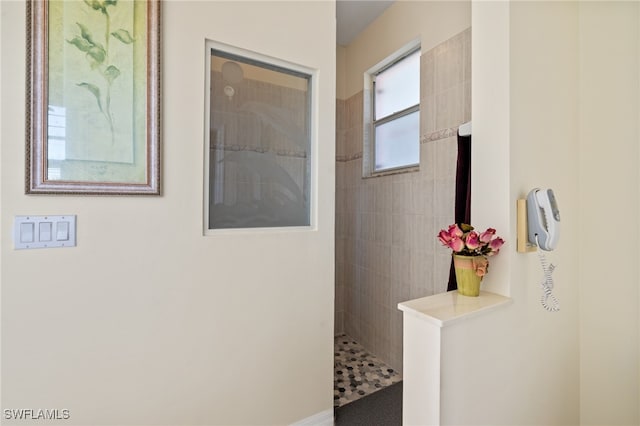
(463,240)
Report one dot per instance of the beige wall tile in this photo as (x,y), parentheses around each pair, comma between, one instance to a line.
(395,340)
(446,153)
(427,74)
(383,195)
(420,196)
(382,229)
(449,108)
(338,322)
(340,254)
(449,65)
(445,198)
(466,101)
(400,193)
(416,231)
(421,272)
(466,55)
(400,265)
(400,230)
(427,160)
(428,115)
(442,262)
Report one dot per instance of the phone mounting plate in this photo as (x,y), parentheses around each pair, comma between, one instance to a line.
(523,245)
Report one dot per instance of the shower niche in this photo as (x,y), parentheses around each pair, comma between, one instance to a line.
(258,159)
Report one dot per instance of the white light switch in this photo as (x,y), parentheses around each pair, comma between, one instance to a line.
(44,231)
(62,231)
(26,232)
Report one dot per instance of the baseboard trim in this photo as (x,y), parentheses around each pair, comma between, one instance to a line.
(323,418)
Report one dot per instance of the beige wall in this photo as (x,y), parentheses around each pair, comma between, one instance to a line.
(431,21)
(559,112)
(523,367)
(146,321)
(609,185)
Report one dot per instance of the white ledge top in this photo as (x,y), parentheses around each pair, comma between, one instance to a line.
(448,308)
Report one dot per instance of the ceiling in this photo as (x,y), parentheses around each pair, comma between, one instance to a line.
(353,16)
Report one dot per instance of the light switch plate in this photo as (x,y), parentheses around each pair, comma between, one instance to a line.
(31,232)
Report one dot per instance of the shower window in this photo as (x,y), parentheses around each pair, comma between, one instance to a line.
(396,112)
(259,142)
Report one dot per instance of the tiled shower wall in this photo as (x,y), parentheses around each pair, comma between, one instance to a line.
(386,246)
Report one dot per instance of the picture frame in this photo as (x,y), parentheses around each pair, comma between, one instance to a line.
(93,97)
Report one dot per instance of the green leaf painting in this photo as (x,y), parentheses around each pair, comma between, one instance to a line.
(84,32)
(100,5)
(98,56)
(95,90)
(111,73)
(82,44)
(123,36)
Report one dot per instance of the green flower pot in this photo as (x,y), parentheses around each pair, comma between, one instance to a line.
(467,270)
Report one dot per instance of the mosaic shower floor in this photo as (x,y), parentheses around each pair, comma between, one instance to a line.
(357,373)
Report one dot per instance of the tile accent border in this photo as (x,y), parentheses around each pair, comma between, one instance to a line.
(259,150)
(429,137)
(345,158)
(439,134)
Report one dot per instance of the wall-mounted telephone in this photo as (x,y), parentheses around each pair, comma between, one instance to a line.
(540,225)
(543,218)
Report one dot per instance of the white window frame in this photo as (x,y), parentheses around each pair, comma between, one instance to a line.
(369,143)
(314,116)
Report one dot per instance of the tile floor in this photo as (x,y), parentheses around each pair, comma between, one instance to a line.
(357,373)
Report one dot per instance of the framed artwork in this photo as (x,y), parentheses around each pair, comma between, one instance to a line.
(93,97)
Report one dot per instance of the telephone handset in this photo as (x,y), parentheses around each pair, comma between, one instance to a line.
(543,218)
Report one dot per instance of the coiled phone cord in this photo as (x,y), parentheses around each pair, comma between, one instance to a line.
(548,300)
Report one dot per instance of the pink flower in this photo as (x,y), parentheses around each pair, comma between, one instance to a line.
(472,241)
(455,231)
(444,237)
(495,244)
(465,241)
(486,236)
(456,244)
